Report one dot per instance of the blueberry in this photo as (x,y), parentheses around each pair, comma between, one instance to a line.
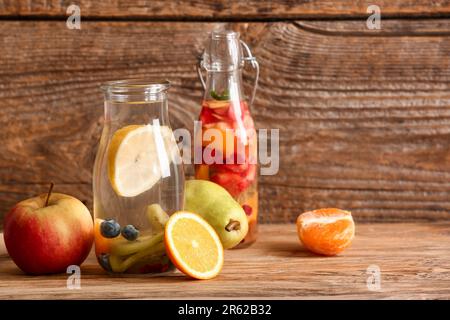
(110,228)
(130,233)
(103,260)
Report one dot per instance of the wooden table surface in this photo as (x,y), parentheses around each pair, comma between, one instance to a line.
(414,260)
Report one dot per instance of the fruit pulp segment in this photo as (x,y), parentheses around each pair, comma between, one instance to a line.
(193,245)
(237,148)
(191,239)
(134,158)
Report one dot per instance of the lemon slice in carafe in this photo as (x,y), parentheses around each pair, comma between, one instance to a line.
(137,158)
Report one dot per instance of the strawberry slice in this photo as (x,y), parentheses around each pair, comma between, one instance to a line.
(234,183)
(231,113)
(230,181)
(207,117)
(249,125)
(242,166)
(235,167)
(251,173)
(236,112)
(240,169)
(220,145)
(222,111)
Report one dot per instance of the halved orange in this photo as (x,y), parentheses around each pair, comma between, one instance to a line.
(326,231)
(193,245)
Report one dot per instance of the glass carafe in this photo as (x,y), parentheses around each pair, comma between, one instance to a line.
(229,137)
(138,178)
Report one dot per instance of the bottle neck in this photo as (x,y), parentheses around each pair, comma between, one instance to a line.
(224,84)
(136,109)
(135,102)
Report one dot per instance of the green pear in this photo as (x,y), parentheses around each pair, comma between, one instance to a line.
(219,209)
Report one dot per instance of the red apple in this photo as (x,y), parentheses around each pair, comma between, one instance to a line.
(48,236)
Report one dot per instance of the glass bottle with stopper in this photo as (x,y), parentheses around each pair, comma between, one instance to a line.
(229,140)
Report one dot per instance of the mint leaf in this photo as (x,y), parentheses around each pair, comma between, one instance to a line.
(224,96)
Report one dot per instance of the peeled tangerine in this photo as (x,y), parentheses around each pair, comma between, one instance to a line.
(326,231)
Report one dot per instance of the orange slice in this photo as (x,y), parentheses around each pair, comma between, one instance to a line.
(326,231)
(193,246)
(102,244)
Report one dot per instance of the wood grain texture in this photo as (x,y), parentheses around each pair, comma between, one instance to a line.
(364,116)
(413,259)
(223,9)
(52,107)
(3,250)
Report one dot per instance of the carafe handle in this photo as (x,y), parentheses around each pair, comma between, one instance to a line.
(248,56)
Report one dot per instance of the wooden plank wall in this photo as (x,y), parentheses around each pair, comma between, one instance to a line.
(364,115)
(224,9)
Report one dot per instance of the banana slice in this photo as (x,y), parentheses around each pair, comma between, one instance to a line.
(126,248)
(157,217)
(120,264)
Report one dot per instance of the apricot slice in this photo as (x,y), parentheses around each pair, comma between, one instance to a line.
(326,231)
(202,172)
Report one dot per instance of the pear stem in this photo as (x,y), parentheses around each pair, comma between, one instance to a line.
(49,194)
(233,225)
